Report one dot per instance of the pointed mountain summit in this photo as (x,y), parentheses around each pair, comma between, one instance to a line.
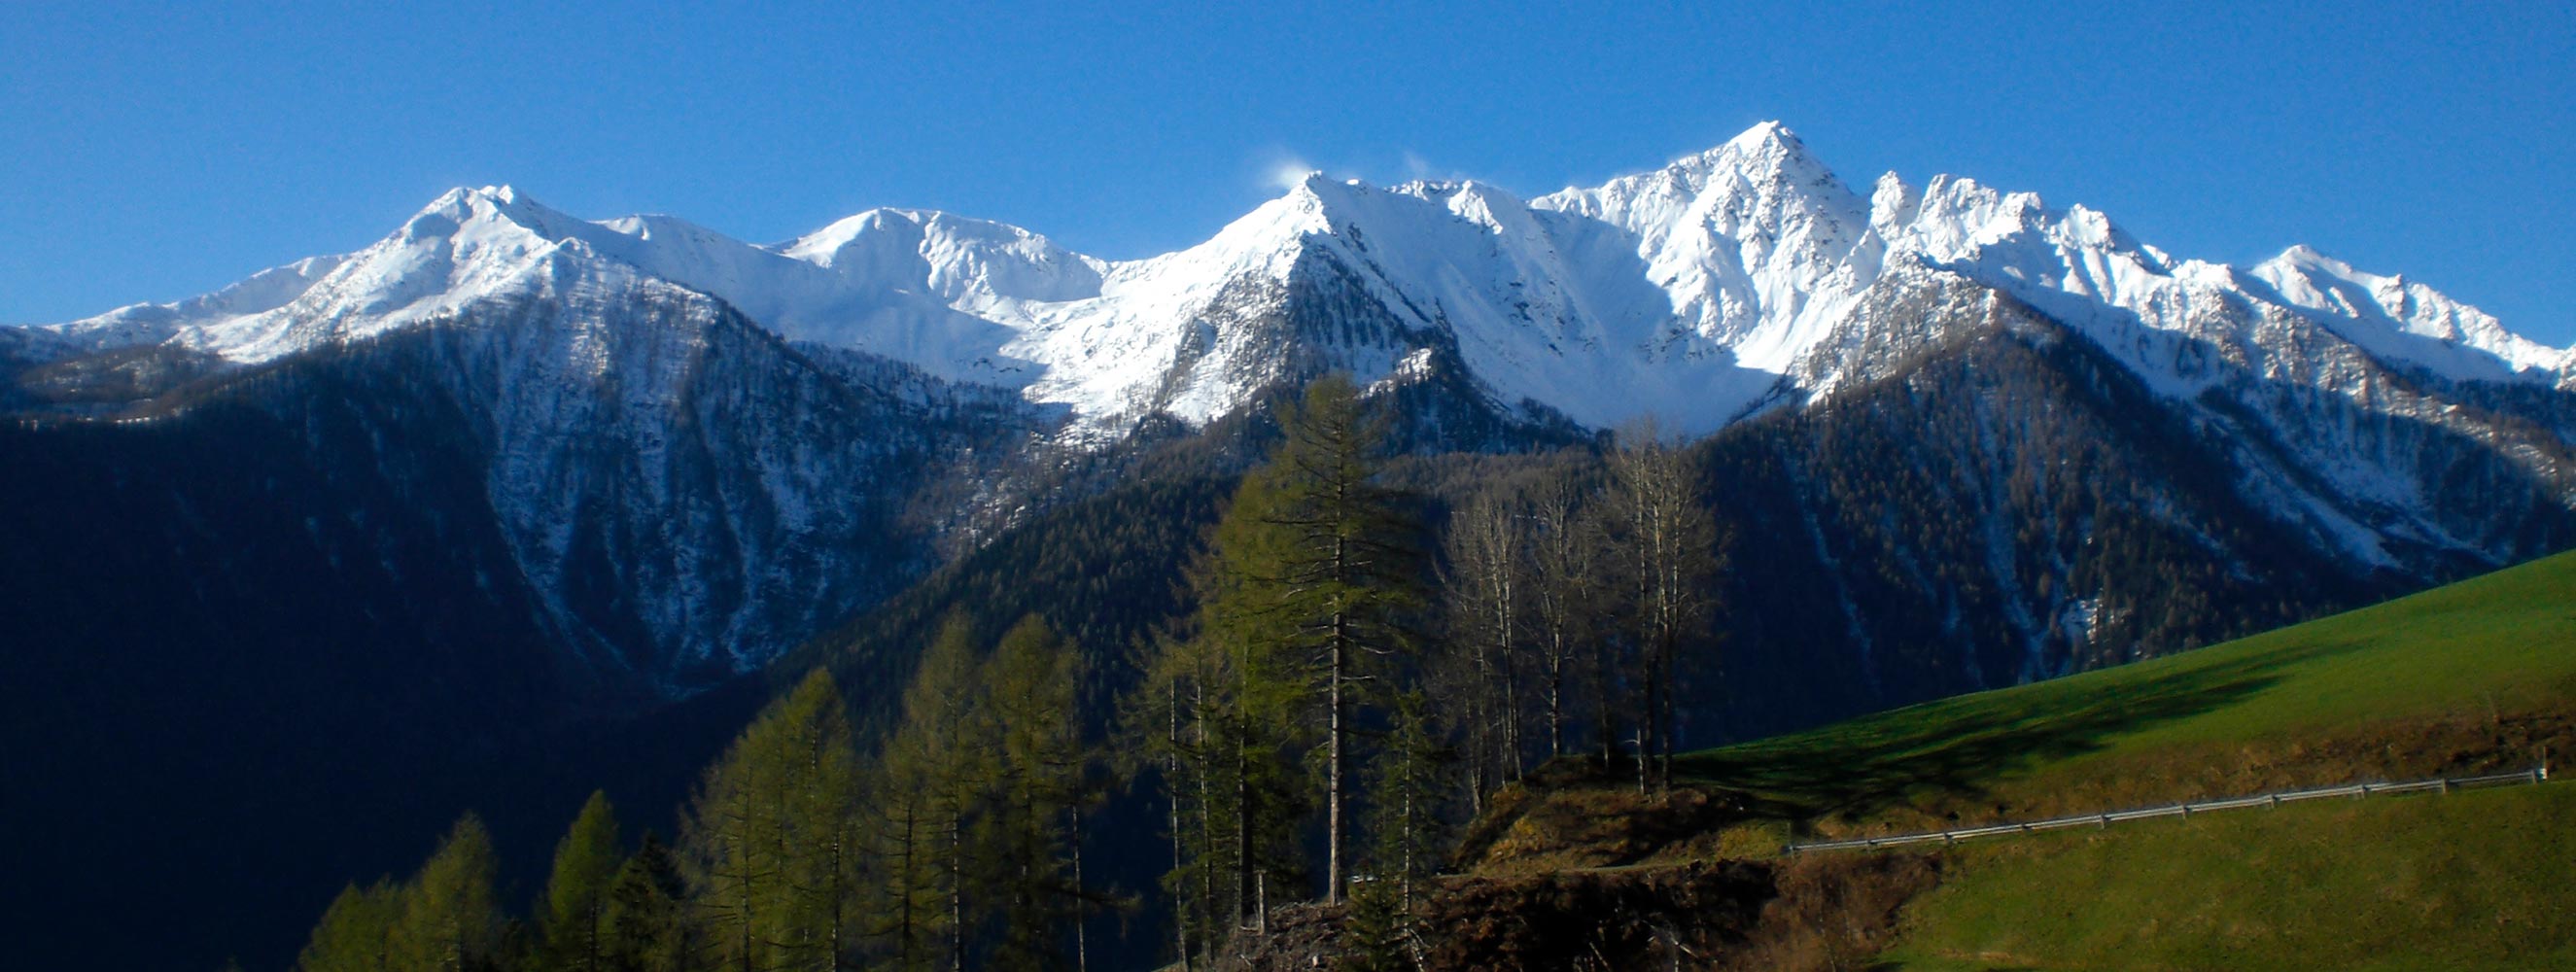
(1699,292)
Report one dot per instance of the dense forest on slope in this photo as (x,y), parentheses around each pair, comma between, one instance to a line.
(281,626)
(955,832)
(1582,605)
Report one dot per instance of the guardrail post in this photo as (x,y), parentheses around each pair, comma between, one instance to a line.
(2276,802)
(2106,821)
(2446,785)
(2186,811)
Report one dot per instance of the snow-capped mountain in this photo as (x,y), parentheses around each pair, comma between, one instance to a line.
(1690,293)
(1745,280)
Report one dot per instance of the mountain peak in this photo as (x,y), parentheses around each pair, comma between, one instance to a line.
(1767,134)
(1317,189)
(503,196)
(465,206)
(823,247)
(1767,148)
(2301,254)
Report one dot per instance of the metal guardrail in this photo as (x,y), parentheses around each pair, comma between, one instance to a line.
(2537,774)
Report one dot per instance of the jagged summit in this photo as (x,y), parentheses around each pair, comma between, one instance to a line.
(1691,292)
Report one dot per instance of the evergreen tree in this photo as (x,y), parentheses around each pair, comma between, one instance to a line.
(648,929)
(449,920)
(1167,723)
(822,858)
(1220,710)
(1405,826)
(768,836)
(1407,822)
(1323,572)
(928,773)
(1374,932)
(1039,771)
(356,931)
(575,928)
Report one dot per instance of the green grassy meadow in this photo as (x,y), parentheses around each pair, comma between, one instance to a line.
(2483,879)
(2478,676)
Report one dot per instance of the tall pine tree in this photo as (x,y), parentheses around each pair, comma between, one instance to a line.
(1321,573)
(928,775)
(646,914)
(1040,773)
(768,837)
(356,931)
(586,862)
(449,920)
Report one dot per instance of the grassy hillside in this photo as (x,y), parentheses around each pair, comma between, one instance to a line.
(2475,677)
(2477,880)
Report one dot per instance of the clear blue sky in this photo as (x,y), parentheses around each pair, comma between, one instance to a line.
(151,152)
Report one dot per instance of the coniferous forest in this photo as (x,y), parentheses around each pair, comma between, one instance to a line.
(1344,684)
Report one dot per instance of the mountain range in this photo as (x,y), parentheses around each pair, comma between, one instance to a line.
(1729,284)
(508,473)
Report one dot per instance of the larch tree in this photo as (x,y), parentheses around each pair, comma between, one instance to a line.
(930,774)
(1327,571)
(768,836)
(1407,782)
(645,913)
(1214,739)
(1222,705)
(1040,770)
(356,931)
(586,862)
(449,920)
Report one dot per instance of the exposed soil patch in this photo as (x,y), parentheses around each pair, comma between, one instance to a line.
(1570,815)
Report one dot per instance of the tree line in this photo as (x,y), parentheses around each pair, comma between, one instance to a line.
(1285,728)
(953,844)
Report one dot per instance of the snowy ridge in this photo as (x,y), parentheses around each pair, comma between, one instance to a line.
(2399,319)
(1693,292)
(701,450)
